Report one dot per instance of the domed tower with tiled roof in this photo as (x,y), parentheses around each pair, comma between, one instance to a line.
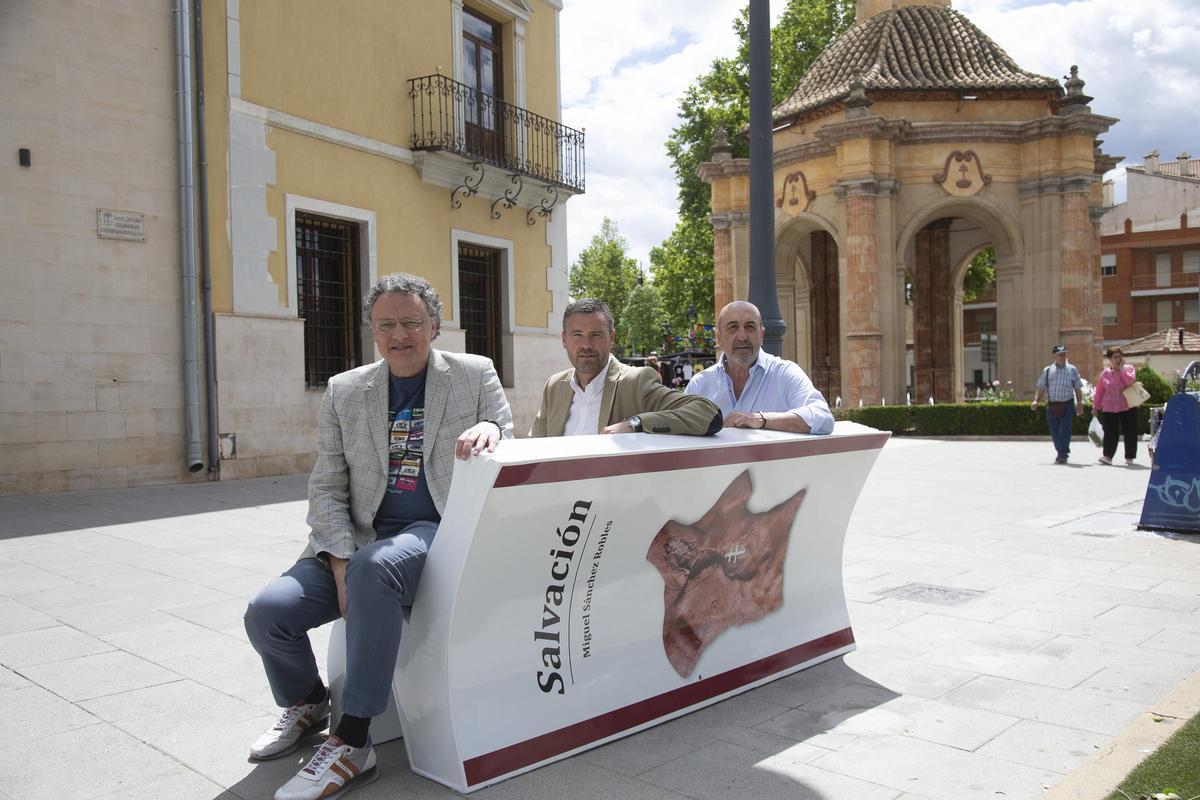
(913,142)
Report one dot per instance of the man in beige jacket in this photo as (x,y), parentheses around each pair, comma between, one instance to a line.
(601,395)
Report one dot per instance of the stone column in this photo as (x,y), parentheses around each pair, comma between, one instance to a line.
(1077,278)
(861,370)
(731,257)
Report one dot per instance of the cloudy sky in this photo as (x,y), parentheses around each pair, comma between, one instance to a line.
(625,64)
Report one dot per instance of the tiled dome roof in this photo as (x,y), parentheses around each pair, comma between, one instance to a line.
(919,47)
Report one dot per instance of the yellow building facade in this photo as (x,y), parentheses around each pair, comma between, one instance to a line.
(334,142)
(380,118)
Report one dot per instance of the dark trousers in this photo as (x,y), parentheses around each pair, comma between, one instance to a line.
(1114,425)
(1060,429)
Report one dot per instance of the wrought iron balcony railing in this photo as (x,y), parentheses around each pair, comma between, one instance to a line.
(451,116)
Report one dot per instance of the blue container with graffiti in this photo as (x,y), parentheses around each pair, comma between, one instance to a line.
(1173,496)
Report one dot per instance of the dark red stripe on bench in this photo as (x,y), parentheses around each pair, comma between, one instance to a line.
(540,748)
(576,469)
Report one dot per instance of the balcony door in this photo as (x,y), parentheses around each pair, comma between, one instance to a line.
(483,73)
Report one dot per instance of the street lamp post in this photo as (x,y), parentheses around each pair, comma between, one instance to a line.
(762,211)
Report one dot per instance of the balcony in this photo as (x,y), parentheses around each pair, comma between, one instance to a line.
(1172,283)
(452,118)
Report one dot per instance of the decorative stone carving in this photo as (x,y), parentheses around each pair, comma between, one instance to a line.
(962,175)
(795,196)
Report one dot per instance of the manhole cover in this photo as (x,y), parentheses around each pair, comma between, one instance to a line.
(929,593)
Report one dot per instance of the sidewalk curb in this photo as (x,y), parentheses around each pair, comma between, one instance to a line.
(1096,778)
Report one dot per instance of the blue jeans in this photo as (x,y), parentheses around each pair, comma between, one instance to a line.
(1060,429)
(381,579)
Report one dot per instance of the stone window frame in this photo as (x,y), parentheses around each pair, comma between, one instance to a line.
(368,274)
(452,313)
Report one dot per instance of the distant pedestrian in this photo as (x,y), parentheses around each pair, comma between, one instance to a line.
(1059,383)
(1110,405)
(653,362)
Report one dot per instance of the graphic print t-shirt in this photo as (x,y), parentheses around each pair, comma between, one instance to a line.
(407,498)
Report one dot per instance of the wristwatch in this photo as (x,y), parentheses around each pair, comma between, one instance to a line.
(635,422)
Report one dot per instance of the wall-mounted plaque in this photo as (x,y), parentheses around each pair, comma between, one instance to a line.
(127,225)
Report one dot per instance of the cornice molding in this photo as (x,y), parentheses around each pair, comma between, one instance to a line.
(874,186)
(710,171)
(1056,184)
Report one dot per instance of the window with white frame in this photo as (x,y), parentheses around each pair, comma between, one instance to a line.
(1108,265)
(1108,312)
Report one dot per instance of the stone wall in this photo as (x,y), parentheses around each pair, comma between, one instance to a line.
(91,390)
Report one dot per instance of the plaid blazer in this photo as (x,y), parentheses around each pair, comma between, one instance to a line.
(348,479)
(628,391)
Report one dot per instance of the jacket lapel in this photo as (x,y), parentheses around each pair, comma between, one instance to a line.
(437,395)
(611,377)
(376,399)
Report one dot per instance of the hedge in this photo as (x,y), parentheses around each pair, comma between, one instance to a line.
(970,419)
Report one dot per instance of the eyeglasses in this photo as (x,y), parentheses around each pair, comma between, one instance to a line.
(389,325)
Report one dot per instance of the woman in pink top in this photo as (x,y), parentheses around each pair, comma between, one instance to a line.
(1115,414)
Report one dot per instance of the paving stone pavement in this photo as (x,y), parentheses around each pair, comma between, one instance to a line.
(1010,623)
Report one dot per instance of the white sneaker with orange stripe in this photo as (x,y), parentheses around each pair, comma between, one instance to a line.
(335,769)
(293,725)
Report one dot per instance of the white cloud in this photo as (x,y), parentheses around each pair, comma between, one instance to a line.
(625,64)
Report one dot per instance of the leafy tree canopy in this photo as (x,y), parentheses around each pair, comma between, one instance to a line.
(642,320)
(981,275)
(683,265)
(605,271)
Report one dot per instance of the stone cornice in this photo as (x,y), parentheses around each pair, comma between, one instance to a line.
(710,171)
(729,219)
(874,186)
(1056,184)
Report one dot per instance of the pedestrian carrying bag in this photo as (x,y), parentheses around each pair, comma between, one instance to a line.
(1135,394)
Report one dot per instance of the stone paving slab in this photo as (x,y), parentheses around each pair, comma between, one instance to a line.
(1011,623)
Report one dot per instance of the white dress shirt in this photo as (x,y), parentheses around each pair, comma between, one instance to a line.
(775,384)
(584,418)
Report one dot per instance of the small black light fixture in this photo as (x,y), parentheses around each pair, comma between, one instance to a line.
(24,157)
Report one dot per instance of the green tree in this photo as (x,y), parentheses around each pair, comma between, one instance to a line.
(682,268)
(603,270)
(642,319)
(981,275)
(722,95)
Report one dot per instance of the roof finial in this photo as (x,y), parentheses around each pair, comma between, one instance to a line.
(1075,101)
(857,102)
(722,150)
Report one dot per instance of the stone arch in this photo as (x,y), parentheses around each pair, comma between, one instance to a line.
(924,244)
(813,320)
(1003,228)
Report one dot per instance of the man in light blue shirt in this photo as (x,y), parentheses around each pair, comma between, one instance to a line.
(755,389)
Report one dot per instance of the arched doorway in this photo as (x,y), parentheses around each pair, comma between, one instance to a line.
(948,358)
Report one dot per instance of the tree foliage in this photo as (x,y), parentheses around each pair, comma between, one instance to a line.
(683,265)
(981,275)
(604,271)
(642,320)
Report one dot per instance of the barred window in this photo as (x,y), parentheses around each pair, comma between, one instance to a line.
(327,294)
(479,306)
